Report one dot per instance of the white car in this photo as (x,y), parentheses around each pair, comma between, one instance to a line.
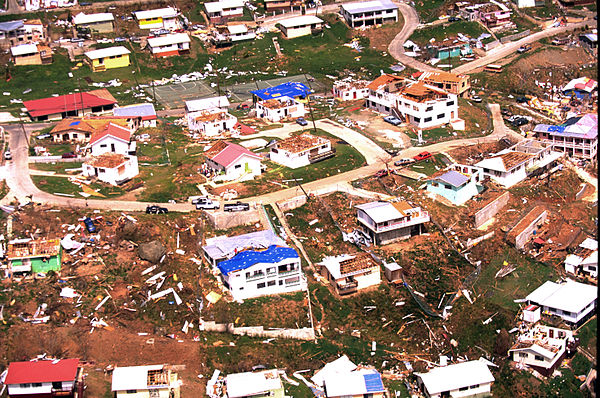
(7,155)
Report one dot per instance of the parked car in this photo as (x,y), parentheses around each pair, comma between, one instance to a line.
(76,40)
(524,49)
(43,136)
(392,120)
(69,155)
(237,206)
(301,121)
(522,100)
(381,173)
(519,121)
(156,210)
(422,156)
(243,106)
(135,39)
(120,39)
(7,155)
(206,204)
(505,112)
(476,98)
(403,162)
(89,225)
(453,19)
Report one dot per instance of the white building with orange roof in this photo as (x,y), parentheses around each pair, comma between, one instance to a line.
(111,168)
(211,123)
(349,90)
(81,129)
(112,139)
(301,150)
(276,109)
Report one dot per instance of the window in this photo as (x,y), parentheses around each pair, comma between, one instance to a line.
(434,184)
(237,166)
(57,385)
(474,386)
(539,358)
(463,388)
(25,385)
(131,392)
(260,285)
(271,283)
(447,186)
(36,384)
(449,103)
(417,119)
(441,116)
(427,119)
(429,108)
(523,355)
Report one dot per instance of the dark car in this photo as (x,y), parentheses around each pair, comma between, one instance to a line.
(237,206)
(522,100)
(69,155)
(519,121)
(506,112)
(422,156)
(453,19)
(89,225)
(156,210)
(476,98)
(301,121)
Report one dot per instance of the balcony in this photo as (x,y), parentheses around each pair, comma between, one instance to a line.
(321,156)
(347,287)
(422,218)
(287,273)
(255,277)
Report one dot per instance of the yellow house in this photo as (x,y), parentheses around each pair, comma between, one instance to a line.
(108,58)
(165,18)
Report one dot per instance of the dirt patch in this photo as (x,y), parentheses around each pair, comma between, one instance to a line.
(381,36)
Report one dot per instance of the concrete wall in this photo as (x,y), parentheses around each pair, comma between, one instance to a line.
(515,37)
(523,237)
(489,211)
(292,203)
(258,331)
(225,220)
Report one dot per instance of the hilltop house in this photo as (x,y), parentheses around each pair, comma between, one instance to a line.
(232,161)
(96,23)
(226,35)
(35,256)
(301,150)
(457,185)
(385,222)
(162,18)
(31,54)
(452,83)
(283,5)
(95,102)
(464,379)
(280,102)
(111,168)
(13,33)
(169,45)
(221,11)
(264,383)
(300,26)
(159,381)
(577,137)
(349,90)
(138,115)
(369,13)
(45,378)
(81,129)
(108,58)
(581,88)
(350,273)
(584,260)
(574,302)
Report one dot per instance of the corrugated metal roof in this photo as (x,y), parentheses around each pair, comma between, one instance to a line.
(373,382)
(168,12)
(453,178)
(368,6)
(300,21)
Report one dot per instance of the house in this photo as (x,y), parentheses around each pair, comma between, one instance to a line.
(113,138)
(209,116)
(393,272)
(513,165)
(574,302)
(464,379)
(272,6)
(577,137)
(359,383)
(529,3)
(222,248)
(34,5)
(452,83)
(232,161)
(589,40)
(226,35)
(45,378)
(301,150)
(97,23)
(458,186)
(221,11)
(331,369)
(300,26)
(168,45)
(206,104)
(36,256)
(350,273)
(369,13)
(139,115)
(81,129)
(13,33)
(495,15)
(280,102)
(349,90)
(264,383)
(31,54)
(108,58)
(162,18)
(581,88)
(160,381)
(584,260)
(111,168)
(543,348)
(448,48)
(77,104)
(385,222)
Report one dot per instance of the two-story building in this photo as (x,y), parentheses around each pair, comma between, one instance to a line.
(577,137)
(300,26)
(160,381)
(273,6)
(108,58)
(385,222)
(13,33)
(222,248)
(221,11)
(95,102)
(457,185)
(495,15)
(45,378)
(281,102)
(211,123)
(231,34)
(369,13)
(97,23)
(33,256)
(460,380)
(162,18)
(232,162)
(584,260)
(454,84)
(301,150)
(350,273)
(31,54)
(169,45)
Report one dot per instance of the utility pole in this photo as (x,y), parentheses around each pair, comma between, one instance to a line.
(80,96)
(308,102)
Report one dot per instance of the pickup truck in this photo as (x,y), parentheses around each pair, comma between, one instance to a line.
(237,206)
(524,49)
(206,204)
(301,121)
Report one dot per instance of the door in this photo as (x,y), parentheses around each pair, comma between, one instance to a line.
(112,147)
(247,167)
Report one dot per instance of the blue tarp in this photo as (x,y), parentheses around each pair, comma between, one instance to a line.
(289,89)
(373,382)
(75,123)
(248,258)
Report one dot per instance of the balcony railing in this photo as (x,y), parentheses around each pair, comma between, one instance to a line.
(321,156)
(286,273)
(347,288)
(422,218)
(255,277)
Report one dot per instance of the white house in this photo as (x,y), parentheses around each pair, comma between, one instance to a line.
(350,273)
(113,138)
(45,378)
(513,165)
(111,168)
(209,116)
(34,5)
(385,222)
(529,3)
(277,109)
(165,18)
(574,302)
(331,369)
(300,26)
(100,22)
(231,34)
(233,161)
(301,150)
(207,104)
(222,248)
(464,379)
(584,260)
(542,348)
(264,383)
(369,13)
(168,45)
(221,11)
(252,273)
(349,90)
(20,31)
(360,382)
(138,115)
(160,381)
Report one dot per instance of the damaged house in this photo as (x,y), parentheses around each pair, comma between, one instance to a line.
(79,129)
(464,379)
(169,45)
(301,150)
(33,256)
(584,260)
(231,34)
(454,84)
(281,102)
(448,48)
(209,116)
(349,90)
(350,273)
(577,137)
(160,381)
(31,54)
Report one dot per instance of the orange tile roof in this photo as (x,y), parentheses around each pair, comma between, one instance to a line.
(112,130)
(107,160)
(87,124)
(382,81)
(512,159)
(442,76)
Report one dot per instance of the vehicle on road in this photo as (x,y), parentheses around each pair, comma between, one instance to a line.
(524,48)
(237,206)
(422,156)
(43,136)
(522,100)
(89,225)
(381,173)
(476,98)
(301,121)
(403,162)
(243,106)
(154,209)
(453,19)
(7,155)
(69,155)
(204,203)
(392,120)
(120,39)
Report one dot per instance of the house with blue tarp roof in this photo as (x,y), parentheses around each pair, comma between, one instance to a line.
(258,272)
(290,89)
(577,137)
(285,101)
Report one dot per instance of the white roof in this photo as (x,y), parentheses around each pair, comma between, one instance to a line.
(237,29)
(299,21)
(132,377)
(392,266)
(206,103)
(341,365)
(168,12)
(495,163)
(589,243)
(169,39)
(368,6)
(536,349)
(252,383)
(23,49)
(216,6)
(380,211)
(107,52)
(82,18)
(570,296)
(332,263)
(453,377)
(350,384)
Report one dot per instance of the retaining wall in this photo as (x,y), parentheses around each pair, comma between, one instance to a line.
(259,331)
(226,220)
(492,208)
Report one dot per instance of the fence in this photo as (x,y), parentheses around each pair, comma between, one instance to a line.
(54,159)
(489,211)
(516,36)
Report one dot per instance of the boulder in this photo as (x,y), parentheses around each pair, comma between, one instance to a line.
(152,251)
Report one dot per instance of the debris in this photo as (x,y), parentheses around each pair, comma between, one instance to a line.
(68,292)
(152,251)
(213,297)
(104,300)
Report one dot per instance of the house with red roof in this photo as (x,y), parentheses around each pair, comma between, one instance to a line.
(114,139)
(95,102)
(232,161)
(81,129)
(45,378)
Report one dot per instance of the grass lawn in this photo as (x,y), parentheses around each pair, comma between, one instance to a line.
(54,185)
(547,11)
(428,166)
(429,11)
(439,32)
(58,168)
